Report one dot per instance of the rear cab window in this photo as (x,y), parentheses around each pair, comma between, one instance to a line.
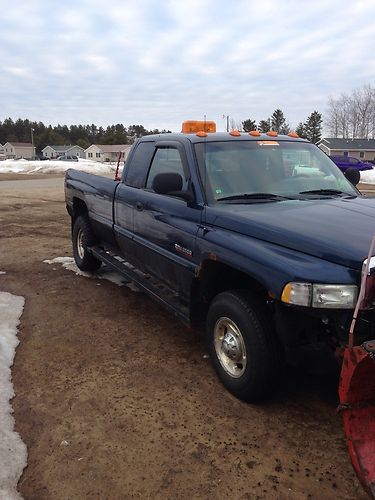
(135,174)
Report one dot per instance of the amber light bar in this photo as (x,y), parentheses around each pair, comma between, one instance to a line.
(194,126)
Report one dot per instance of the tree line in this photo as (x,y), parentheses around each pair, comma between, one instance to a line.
(311,129)
(348,116)
(59,135)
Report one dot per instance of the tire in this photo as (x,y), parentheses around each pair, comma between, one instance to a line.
(243,347)
(83,237)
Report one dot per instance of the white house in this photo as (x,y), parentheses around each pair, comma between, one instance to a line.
(19,150)
(363,149)
(56,151)
(106,152)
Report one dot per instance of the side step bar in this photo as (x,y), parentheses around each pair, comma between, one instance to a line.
(162,294)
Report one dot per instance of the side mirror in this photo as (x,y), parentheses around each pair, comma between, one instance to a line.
(170,183)
(353,175)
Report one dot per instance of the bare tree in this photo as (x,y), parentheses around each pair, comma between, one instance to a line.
(352,116)
(235,125)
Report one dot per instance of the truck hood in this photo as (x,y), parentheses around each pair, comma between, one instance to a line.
(338,230)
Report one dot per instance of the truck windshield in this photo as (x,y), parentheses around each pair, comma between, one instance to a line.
(233,170)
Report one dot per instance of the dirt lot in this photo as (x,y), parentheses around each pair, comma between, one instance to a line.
(115,399)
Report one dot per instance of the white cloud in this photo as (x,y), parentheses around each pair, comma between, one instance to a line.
(155,63)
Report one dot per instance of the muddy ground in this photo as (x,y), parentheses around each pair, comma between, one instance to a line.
(115,399)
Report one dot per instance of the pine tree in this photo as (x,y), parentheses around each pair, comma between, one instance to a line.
(249,125)
(313,127)
(277,120)
(300,130)
(264,125)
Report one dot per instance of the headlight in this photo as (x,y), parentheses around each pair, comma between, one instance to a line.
(320,295)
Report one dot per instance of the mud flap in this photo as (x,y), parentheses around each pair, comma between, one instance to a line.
(357,398)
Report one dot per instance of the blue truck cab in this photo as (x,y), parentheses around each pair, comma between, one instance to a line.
(258,236)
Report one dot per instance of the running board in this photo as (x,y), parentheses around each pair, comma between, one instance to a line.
(145,282)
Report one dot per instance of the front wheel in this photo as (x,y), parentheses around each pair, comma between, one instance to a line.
(242,345)
(82,238)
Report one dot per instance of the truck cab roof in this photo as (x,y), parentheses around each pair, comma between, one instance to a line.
(221,136)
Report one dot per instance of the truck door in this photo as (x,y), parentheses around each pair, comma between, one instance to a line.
(165,226)
(127,195)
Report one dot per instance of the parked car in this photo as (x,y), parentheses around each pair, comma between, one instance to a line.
(67,158)
(344,162)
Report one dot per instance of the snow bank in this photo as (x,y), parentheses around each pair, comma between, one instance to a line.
(13,453)
(104,273)
(56,167)
(368,176)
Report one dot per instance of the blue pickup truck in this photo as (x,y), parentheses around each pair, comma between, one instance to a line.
(260,237)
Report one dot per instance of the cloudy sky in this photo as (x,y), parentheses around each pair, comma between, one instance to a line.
(157,63)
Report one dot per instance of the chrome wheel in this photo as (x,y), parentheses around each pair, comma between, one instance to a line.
(230,347)
(80,247)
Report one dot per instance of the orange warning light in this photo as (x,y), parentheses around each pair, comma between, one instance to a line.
(272,133)
(293,134)
(235,133)
(254,133)
(194,126)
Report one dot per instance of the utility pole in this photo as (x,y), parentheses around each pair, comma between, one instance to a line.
(32,141)
(227,120)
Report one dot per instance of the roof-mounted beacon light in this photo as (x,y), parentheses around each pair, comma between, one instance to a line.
(254,133)
(272,133)
(235,133)
(194,126)
(293,134)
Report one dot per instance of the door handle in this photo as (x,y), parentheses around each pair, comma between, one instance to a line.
(139,205)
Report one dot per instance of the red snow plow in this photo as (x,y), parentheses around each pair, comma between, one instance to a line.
(357,389)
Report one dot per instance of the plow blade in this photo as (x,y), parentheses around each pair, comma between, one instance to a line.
(357,398)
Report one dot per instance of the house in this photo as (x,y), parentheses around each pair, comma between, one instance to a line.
(363,149)
(56,151)
(106,152)
(19,150)
(2,153)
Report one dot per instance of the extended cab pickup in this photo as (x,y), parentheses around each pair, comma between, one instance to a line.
(261,237)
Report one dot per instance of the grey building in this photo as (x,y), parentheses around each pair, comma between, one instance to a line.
(56,151)
(363,149)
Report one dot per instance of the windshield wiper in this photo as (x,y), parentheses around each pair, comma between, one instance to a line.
(328,192)
(255,196)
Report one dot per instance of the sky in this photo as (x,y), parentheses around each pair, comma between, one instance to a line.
(158,63)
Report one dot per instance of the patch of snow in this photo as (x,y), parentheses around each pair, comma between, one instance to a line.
(13,452)
(104,273)
(2,272)
(368,176)
(56,167)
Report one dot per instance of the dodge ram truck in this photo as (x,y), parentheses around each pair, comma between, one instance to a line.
(259,237)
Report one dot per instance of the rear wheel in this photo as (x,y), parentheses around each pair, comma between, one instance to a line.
(242,345)
(82,238)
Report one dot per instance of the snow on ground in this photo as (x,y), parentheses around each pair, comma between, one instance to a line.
(56,167)
(104,273)
(94,167)
(13,453)
(368,176)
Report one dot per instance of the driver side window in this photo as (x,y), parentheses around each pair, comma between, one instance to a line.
(166,160)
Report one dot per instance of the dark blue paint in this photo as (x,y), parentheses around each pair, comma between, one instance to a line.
(313,240)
